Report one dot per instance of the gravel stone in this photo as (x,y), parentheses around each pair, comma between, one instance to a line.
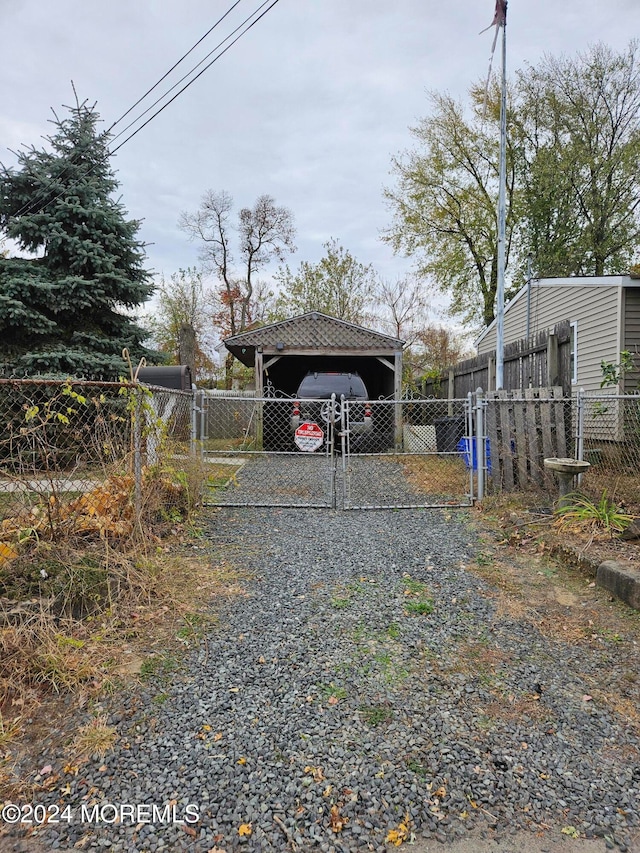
(319,698)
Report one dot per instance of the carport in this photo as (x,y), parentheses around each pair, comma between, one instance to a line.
(282,353)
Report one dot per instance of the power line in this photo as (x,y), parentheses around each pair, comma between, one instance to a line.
(189,73)
(33,203)
(184,88)
(175,65)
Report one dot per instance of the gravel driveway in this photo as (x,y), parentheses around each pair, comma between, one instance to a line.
(367,684)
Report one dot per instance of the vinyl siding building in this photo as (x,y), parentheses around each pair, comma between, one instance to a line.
(604,313)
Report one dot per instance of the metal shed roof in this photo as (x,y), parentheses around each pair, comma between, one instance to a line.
(312,333)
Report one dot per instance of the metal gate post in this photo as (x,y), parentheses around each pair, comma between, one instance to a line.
(194,419)
(344,448)
(331,443)
(580,430)
(481,443)
(580,426)
(204,420)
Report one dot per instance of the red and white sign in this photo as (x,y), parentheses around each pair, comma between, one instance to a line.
(309,436)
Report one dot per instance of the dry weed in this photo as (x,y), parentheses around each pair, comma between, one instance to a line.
(432,474)
(510,607)
(9,731)
(96,737)
(514,709)
(474,658)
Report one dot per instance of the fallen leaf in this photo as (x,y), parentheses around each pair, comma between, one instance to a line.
(190,830)
(245,830)
(46,770)
(394,837)
(336,820)
(7,553)
(333,700)
(316,772)
(571,831)
(399,835)
(242,760)
(587,698)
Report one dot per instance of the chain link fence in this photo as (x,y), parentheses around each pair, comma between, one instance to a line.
(249,444)
(355,454)
(78,456)
(75,456)
(608,437)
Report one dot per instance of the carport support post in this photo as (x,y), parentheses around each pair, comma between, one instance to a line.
(259,386)
(397,396)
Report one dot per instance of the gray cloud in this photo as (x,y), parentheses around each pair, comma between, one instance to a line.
(309,106)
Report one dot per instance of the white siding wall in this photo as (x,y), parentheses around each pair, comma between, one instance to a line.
(596,309)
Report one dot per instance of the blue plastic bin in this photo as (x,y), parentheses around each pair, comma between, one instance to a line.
(471,458)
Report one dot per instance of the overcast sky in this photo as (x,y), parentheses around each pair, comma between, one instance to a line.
(308,107)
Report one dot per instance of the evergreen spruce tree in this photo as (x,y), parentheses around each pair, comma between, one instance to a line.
(63,311)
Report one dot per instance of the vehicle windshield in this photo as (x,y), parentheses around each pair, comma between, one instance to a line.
(320,386)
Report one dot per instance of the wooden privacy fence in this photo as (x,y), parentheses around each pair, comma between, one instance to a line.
(524,428)
(542,360)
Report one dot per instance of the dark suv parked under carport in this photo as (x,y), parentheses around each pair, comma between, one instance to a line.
(313,404)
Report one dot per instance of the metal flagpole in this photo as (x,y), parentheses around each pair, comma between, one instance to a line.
(502,208)
(500,20)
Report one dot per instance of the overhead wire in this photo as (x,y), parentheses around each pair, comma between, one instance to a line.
(206,68)
(32,204)
(175,65)
(189,73)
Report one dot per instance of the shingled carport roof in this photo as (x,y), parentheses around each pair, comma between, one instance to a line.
(311,333)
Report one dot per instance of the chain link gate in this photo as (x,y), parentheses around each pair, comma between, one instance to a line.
(373,454)
(249,444)
(417,453)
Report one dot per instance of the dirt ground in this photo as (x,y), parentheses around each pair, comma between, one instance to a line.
(516,843)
